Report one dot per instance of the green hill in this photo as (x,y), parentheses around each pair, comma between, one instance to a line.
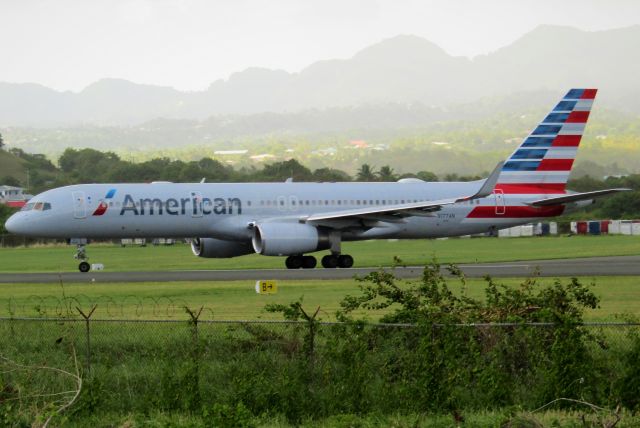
(12,166)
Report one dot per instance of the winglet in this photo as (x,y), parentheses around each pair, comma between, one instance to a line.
(489,183)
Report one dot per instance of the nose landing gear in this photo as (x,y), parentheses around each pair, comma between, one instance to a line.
(81,254)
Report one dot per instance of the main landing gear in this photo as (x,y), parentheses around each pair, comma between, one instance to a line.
(330,261)
(297,262)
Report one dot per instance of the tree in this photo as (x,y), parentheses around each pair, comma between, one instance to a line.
(1,141)
(386,173)
(622,205)
(427,176)
(330,175)
(366,173)
(280,171)
(8,180)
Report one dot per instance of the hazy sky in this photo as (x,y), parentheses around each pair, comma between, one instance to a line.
(68,44)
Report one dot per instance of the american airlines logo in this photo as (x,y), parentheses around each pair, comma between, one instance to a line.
(103,205)
(194,205)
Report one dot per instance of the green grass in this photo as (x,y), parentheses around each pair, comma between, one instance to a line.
(237,300)
(369,253)
(473,419)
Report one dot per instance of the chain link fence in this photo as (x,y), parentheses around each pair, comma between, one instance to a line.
(311,369)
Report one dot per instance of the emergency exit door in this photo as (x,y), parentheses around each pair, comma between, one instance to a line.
(79,205)
(499,199)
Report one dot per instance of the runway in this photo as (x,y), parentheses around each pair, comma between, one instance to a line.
(593,266)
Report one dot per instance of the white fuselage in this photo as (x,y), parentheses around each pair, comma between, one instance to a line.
(225,211)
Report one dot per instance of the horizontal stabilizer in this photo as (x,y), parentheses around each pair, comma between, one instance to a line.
(575,197)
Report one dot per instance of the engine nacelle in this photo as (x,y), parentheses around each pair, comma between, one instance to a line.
(287,239)
(219,249)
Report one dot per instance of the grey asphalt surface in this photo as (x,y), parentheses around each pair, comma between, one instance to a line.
(593,266)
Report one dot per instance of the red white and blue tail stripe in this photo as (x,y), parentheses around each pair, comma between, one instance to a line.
(542,163)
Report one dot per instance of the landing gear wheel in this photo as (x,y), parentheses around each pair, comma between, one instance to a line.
(309,262)
(345,261)
(330,261)
(84,267)
(294,262)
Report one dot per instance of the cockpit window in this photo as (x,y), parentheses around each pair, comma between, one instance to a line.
(37,206)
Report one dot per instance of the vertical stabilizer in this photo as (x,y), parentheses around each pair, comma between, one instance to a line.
(542,163)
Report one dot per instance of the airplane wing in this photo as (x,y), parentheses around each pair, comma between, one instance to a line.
(393,213)
(575,197)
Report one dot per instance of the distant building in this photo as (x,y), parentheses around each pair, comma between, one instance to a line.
(262,157)
(230,152)
(13,196)
(359,144)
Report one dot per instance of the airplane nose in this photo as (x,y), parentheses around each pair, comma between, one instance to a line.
(14,224)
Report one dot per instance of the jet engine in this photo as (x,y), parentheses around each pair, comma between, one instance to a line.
(286,239)
(219,248)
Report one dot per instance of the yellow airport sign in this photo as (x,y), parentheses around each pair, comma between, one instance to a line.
(268,286)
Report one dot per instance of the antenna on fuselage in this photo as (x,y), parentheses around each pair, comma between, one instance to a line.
(203,179)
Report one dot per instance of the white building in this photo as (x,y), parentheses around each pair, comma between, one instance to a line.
(13,196)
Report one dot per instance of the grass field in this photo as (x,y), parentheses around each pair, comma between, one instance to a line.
(237,300)
(473,419)
(370,253)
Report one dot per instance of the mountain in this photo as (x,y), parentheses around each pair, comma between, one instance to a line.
(552,57)
(404,70)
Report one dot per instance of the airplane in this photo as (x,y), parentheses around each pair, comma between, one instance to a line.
(294,219)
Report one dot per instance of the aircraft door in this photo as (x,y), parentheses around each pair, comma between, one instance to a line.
(196,207)
(79,205)
(498,194)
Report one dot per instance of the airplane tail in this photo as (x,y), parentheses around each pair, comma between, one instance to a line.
(542,163)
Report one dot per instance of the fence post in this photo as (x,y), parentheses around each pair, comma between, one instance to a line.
(194,321)
(194,396)
(311,336)
(86,321)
